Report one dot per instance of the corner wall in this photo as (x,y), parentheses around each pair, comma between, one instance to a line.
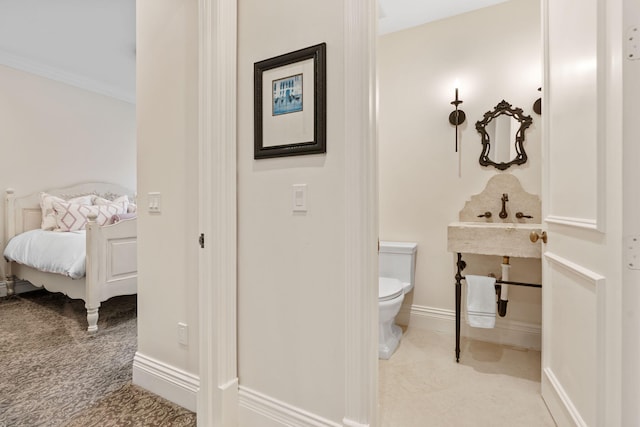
(167,106)
(55,135)
(495,54)
(291,267)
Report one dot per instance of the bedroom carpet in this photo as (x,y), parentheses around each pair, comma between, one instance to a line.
(53,373)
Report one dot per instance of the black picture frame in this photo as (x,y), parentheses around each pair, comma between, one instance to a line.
(279,130)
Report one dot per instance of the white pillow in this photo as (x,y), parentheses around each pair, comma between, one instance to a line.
(97,200)
(73,217)
(49,215)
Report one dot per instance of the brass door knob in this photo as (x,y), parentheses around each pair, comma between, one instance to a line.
(535,236)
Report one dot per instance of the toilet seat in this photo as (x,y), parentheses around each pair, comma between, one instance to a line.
(389,288)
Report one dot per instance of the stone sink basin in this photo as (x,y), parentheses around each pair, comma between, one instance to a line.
(485,238)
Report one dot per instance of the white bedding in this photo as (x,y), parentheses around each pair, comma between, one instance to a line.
(50,251)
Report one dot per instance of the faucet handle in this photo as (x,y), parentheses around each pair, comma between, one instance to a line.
(487,214)
(521,215)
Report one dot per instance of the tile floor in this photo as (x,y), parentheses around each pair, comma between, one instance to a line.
(492,386)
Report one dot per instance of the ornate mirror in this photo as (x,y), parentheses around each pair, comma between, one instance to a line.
(502,132)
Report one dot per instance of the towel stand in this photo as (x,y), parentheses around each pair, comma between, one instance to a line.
(461,265)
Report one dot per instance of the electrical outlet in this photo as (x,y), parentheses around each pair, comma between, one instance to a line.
(183,334)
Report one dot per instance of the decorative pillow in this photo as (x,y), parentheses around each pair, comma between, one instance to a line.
(73,217)
(49,215)
(121,217)
(97,200)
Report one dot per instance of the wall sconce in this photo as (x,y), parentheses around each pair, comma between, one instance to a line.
(457,117)
(537,106)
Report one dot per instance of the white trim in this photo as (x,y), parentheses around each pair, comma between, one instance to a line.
(598,282)
(566,407)
(173,384)
(218,397)
(590,276)
(611,309)
(278,411)
(589,224)
(361,222)
(599,222)
(29,66)
(602,117)
(506,332)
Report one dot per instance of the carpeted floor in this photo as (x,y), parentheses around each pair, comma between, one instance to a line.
(52,373)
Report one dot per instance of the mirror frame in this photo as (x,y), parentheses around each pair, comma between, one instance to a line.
(505,108)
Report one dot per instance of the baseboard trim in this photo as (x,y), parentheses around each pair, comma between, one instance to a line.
(507,332)
(173,384)
(280,412)
(350,423)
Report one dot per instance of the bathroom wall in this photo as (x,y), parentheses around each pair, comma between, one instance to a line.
(494,54)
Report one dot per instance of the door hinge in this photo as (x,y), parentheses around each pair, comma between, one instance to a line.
(201,240)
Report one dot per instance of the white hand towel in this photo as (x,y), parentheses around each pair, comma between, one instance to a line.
(481,301)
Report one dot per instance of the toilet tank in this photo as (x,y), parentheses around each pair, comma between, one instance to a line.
(398,260)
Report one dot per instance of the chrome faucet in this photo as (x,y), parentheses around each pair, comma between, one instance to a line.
(503,212)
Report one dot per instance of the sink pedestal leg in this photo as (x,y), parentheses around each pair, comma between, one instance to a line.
(460,265)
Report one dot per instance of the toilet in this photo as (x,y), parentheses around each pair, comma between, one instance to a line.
(397,265)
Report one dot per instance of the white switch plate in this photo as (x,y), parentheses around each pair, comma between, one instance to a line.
(183,333)
(154,202)
(299,197)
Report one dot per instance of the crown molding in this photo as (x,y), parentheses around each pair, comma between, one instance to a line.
(34,67)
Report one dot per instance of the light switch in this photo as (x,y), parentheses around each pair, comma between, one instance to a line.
(154,202)
(183,334)
(300,197)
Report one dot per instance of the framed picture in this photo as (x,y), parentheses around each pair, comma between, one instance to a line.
(290,104)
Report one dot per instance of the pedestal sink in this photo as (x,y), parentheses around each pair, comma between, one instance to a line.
(502,239)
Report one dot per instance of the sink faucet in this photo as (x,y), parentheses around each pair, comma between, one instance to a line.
(503,212)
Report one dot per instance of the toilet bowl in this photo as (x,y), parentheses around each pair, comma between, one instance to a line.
(396,278)
(390,297)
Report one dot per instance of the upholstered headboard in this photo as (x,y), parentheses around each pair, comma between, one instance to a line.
(24,213)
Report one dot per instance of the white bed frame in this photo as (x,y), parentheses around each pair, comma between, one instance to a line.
(111,265)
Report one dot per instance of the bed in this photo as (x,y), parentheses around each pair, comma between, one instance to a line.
(110,267)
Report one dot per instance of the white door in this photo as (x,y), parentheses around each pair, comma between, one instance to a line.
(582,207)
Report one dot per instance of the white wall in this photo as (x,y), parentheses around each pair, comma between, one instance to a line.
(54,135)
(291,268)
(167,109)
(495,53)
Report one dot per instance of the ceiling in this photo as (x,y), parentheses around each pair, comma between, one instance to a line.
(396,15)
(85,43)
(91,43)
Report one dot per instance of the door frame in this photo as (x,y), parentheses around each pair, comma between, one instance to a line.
(361,222)
(217,278)
(217,288)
